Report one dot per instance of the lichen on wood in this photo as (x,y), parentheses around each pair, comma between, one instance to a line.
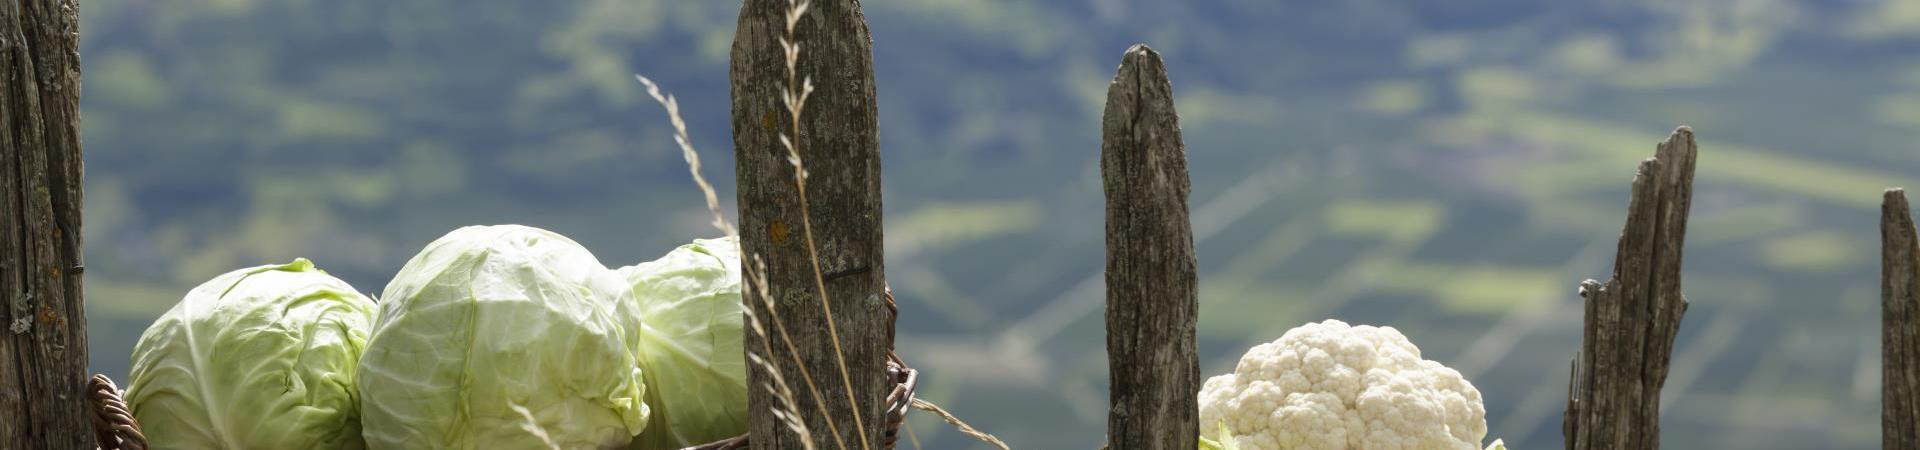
(43,351)
(838,142)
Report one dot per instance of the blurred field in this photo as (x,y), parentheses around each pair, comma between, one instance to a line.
(1449,168)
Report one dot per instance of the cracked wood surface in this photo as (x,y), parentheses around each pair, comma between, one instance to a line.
(1631,320)
(1152,297)
(43,338)
(840,146)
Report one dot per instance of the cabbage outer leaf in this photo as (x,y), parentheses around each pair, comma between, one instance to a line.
(262,357)
(691,344)
(503,337)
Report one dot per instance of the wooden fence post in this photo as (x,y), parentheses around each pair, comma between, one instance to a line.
(1899,326)
(1631,321)
(1152,297)
(839,144)
(43,337)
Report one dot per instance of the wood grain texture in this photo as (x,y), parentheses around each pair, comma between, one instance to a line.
(1899,326)
(43,339)
(840,145)
(1152,296)
(1632,319)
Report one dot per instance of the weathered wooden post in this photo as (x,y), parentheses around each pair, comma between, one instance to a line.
(835,222)
(43,336)
(1631,321)
(1899,326)
(1152,296)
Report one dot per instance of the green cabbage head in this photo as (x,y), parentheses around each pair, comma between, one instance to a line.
(503,337)
(691,344)
(261,357)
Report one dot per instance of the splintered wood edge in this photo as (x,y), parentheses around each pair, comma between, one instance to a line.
(1632,318)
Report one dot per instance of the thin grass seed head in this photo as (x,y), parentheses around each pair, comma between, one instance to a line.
(791,50)
(795,12)
(758,275)
(795,104)
(795,99)
(532,426)
(806,91)
(778,387)
(786,407)
(789,97)
(688,153)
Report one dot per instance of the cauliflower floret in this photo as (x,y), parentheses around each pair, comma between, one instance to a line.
(1331,386)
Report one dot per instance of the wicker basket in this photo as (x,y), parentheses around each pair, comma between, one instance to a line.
(899,400)
(113,424)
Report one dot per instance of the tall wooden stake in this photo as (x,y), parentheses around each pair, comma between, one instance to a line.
(43,325)
(839,144)
(1899,326)
(1152,292)
(1631,321)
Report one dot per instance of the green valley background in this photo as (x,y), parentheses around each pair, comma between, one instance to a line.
(1450,168)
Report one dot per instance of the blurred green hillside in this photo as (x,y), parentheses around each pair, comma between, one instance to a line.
(1451,168)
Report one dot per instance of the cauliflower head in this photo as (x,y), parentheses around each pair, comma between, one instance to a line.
(1332,386)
